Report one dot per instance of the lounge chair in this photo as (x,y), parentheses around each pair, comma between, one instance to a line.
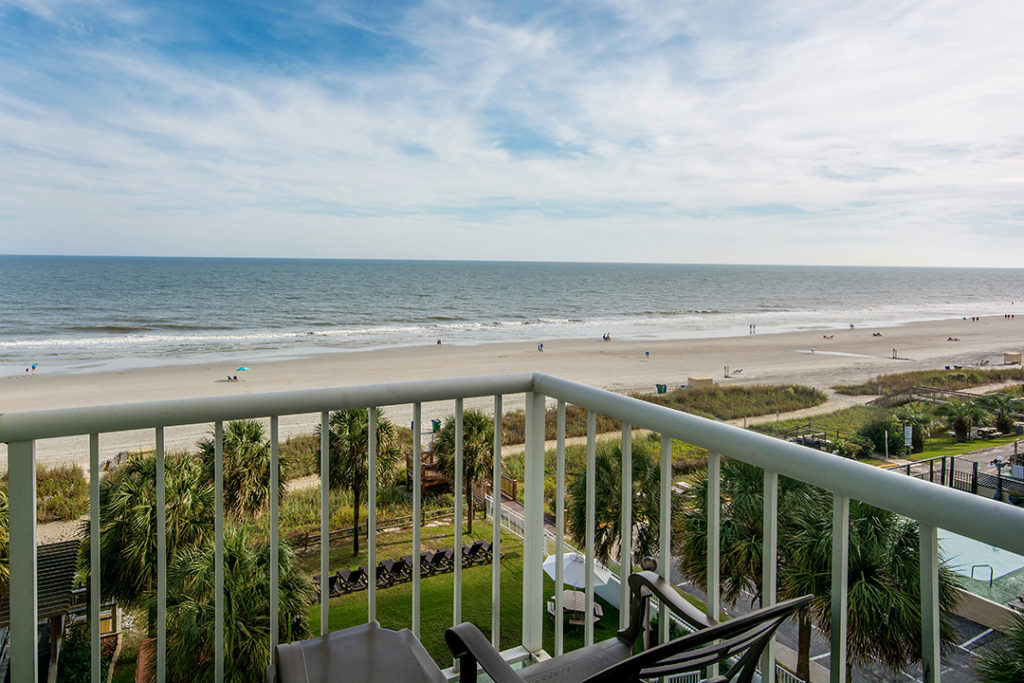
(350,580)
(400,569)
(471,553)
(611,660)
(382,576)
(442,560)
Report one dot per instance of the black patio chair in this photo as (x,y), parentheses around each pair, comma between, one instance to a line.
(350,580)
(442,560)
(471,553)
(400,569)
(612,660)
(426,568)
(382,576)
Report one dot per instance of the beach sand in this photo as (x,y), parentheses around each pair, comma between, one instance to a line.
(619,365)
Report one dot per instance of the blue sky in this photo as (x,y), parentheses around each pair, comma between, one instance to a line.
(795,131)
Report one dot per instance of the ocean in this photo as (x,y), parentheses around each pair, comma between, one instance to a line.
(78,313)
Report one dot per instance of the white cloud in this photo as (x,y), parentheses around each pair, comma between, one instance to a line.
(832,133)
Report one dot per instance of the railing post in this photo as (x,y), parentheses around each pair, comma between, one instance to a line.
(588,628)
(274,531)
(94,557)
(559,528)
(974,478)
(714,570)
(417,512)
(457,489)
(626,525)
(769,559)
(325,521)
(21,496)
(665,528)
(496,529)
(371,512)
(930,640)
(161,560)
(840,576)
(714,505)
(533,534)
(218,551)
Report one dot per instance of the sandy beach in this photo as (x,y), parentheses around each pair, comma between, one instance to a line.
(619,365)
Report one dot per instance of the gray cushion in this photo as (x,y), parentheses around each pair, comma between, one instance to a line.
(579,665)
(362,653)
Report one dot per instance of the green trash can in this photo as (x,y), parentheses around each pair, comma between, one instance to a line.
(662,388)
(436,425)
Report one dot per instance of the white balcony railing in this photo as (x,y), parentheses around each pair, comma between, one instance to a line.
(933,507)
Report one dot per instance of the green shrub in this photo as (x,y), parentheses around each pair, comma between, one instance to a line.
(875,432)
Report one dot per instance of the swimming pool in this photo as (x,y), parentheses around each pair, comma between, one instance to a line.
(1007,568)
(962,553)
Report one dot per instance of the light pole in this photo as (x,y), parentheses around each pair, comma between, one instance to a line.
(998,462)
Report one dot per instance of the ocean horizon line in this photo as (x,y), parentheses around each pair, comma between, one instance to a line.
(375,259)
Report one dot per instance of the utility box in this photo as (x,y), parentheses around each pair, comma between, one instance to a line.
(700,383)
(1011,357)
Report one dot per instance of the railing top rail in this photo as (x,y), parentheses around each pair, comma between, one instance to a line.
(987,520)
(45,424)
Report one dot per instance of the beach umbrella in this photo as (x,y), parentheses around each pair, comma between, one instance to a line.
(574,570)
(242,369)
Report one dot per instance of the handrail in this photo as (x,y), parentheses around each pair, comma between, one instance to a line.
(46,424)
(957,511)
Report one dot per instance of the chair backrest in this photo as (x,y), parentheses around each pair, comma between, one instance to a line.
(744,638)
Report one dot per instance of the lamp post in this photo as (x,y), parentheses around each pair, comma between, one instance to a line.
(998,462)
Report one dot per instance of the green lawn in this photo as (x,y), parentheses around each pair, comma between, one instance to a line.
(947,445)
(394,604)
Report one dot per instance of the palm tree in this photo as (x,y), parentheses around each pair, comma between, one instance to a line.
(477,451)
(128,537)
(5,565)
(1002,407)
(349,460)
(246,467)
(646,504)
(884,584)
(190,606)
(1005,664)
(961,416)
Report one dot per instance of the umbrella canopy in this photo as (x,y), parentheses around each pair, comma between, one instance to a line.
(574,570)
(242,369)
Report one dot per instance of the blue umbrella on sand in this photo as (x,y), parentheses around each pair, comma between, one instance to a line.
(242,369)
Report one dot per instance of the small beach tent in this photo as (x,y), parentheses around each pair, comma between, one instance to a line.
(1011,357)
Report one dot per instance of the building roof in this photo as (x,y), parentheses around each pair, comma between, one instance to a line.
(55,575)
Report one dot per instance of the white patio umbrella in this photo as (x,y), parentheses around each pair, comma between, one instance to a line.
(574,570)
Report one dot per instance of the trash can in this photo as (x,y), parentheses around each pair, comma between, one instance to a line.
(435,425)
(1018,428)
(662,388)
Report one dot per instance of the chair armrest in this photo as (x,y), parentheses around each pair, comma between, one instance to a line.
(469,646)
(667,595)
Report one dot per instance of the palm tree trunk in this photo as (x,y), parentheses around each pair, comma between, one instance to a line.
(355,520)
(803,659)
(469,504)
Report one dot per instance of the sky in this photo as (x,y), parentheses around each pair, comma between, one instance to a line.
(779,131)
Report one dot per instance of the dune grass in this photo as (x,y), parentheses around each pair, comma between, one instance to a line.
(941,379)
(730,403)
(62,492)
(847,420)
